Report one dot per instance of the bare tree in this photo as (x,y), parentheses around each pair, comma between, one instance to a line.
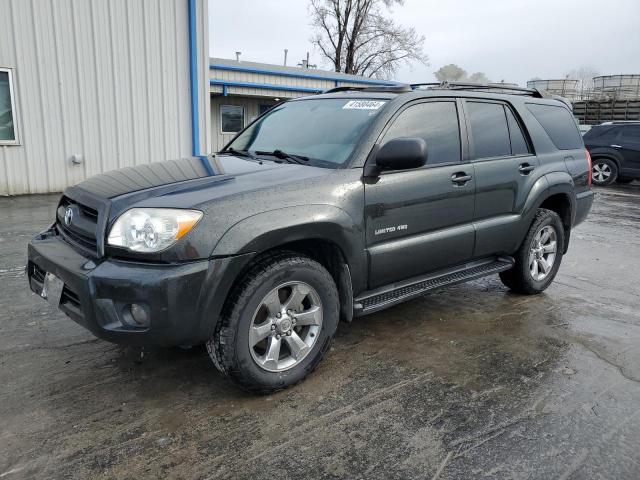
(358,37)
(584,75)
(453,73)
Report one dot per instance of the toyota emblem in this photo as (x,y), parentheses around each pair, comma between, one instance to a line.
(68,216)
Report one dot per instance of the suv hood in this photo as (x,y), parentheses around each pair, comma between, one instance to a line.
(204,169)
(190,181)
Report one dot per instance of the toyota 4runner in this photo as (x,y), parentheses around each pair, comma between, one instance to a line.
(324,208)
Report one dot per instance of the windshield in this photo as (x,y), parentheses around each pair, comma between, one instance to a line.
(324,130)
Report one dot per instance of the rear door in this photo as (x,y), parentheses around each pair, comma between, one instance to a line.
(628,144)
(505,172)
(421,220)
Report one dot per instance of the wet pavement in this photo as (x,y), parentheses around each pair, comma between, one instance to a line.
(467,382)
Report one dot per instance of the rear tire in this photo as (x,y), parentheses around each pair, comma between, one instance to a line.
(538,259)
(277,324)
(604,172)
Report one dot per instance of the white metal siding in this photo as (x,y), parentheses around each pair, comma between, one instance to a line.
(105,79)
(270,79)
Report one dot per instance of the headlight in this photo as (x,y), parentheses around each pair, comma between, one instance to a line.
(152,229)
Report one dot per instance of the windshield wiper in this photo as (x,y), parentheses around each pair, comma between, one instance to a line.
(300,159)
(242,153)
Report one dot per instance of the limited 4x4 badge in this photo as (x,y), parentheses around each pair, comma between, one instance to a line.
(380,231)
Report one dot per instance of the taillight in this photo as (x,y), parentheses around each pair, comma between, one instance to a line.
(590,174)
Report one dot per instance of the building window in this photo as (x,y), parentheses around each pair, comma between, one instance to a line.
(8,129)
(231,118)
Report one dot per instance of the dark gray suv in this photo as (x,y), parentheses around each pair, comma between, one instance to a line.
(324,208)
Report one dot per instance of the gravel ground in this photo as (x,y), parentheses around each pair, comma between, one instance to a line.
(467,382)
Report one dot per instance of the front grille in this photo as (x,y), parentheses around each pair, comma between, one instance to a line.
(89,212)
(81,232)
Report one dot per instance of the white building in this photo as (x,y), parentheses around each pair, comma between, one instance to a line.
(241,91)
(93,85)
(88,86)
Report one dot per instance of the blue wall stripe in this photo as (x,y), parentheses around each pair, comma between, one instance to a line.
(193,77)
(263,86)
(312,76)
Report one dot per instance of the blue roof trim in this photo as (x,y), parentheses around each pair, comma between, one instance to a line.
(309,76)
(193,78)
(263,86)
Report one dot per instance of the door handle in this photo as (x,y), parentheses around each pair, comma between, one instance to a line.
(526,169)
(616,146)
(460,178)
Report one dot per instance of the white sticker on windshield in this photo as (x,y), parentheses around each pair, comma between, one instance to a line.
(363,105)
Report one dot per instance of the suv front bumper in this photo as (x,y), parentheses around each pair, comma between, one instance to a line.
(182,301)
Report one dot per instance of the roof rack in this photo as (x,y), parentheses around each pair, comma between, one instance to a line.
(534,92)
(401,88)
(620,122)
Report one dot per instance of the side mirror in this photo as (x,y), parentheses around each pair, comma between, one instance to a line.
(402,154)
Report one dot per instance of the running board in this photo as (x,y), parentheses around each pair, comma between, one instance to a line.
(393,294)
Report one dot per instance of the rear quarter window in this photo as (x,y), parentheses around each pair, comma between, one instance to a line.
(559,124)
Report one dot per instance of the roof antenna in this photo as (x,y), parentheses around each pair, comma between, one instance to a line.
(238,56)
(285,56)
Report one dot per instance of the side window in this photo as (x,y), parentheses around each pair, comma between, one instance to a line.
(489,130)
(231,118)
(600,133)
(436,123)
(630,133)
(559,124)
(8,135)
(519,145)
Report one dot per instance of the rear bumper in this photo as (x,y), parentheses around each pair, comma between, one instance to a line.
(584,200)
(183,301)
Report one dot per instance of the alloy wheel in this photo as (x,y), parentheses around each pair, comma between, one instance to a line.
(542,254)
(285,326)
(601,172)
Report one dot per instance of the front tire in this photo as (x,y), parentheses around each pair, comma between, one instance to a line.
(277,324)
(604,172)
(538,259)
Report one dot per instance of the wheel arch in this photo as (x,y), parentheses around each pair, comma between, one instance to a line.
(555,191)
(324,233)
(561,204)
(606,155)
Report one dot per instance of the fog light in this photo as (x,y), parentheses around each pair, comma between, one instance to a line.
(139,314)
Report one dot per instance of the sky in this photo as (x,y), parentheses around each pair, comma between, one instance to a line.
(510,40)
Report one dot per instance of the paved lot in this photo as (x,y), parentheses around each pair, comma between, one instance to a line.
(469,382)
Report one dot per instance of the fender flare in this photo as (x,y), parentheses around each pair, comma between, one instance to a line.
(548,185)
(609,156)
(270,229)
(552,183)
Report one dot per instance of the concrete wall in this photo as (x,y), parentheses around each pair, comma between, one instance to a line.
(105,79)
(251,112)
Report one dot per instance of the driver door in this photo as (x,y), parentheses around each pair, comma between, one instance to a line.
(421,220)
